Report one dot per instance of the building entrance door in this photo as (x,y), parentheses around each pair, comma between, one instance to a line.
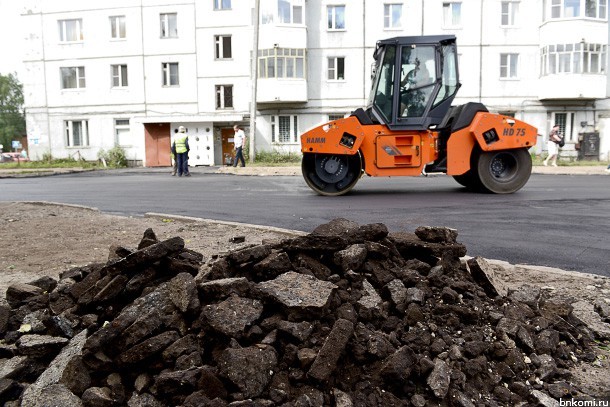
(157,142)
(228,155)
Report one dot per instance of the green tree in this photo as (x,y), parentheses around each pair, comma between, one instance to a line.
(12,119)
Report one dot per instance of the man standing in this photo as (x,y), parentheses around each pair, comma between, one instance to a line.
(180,149)
(239,141)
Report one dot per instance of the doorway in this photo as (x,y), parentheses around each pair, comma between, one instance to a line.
(228,155)
(157,142)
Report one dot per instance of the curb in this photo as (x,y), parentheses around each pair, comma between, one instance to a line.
(289,232)
(49,203)
(283,171)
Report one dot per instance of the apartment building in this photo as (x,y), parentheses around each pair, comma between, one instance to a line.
(130,72)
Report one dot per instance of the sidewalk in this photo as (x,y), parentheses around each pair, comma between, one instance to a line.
(262,171)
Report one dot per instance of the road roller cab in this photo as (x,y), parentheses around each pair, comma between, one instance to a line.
(410,127)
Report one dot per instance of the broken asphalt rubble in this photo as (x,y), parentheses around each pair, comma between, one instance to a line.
(349,315)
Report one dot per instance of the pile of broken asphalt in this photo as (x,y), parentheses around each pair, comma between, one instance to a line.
(348,315)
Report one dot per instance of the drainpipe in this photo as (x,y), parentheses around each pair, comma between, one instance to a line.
(254,75)
(422,17)
(364,64)
(481,55)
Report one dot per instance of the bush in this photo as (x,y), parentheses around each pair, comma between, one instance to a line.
(115,157)
(277,157)
(47,157)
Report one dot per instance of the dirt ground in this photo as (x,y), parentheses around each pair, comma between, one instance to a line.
(43,239)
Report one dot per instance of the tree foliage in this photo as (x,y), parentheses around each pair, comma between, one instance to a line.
(12,119)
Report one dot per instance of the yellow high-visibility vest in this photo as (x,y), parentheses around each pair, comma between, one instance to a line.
(180,143)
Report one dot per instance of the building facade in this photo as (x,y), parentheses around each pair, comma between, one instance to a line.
(130,72)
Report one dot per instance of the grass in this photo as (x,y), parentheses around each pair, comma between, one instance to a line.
(34,165)
(537,160)
(262,160)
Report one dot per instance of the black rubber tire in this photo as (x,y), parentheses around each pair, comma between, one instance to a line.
(468,180)
(326,183)
(503,172)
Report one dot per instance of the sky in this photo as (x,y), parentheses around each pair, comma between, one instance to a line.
(11,38)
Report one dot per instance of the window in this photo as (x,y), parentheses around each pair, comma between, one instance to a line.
(392,15)
(556,8)
(282,12)
(289,12)
(117,27)
(169,25)
(578,58)
(510,9)
(571,8)
(595,8)
(222,46)
(333,117)
(119,75)
(170,74)
(70,30)
(565,120)
(77,133)
(224,96)
(336,68)
(284,129)
(575,9)
(222,4)
(452,14)
(336,17)
(508,66)
(73,77)
(281,63)
(122,132)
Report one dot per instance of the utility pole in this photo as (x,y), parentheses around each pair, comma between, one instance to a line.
(254,78)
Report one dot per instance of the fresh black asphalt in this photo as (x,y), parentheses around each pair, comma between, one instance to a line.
(559,221)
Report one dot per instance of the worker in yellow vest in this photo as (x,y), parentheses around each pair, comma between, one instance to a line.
(180,149)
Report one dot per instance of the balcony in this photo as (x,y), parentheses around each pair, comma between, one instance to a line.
(572,86)
(281,75)
(281,91)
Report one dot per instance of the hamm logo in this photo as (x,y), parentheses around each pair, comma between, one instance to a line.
(315,140)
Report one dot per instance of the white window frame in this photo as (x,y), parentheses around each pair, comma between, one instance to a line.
(168,74)
(295,10)
(122,130)
(289,133)
(168,25)
(599,6)
(78,72)
(118,27)
(69,127)
(63,26)
(222,4)
(336,69)
(119,75)
(452,14)
(221,97)
(332,11)
(288,63)
(388,13)
(220,49)
(565,120)
(509,66)
(509,13)
(557,9)
(573,58)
